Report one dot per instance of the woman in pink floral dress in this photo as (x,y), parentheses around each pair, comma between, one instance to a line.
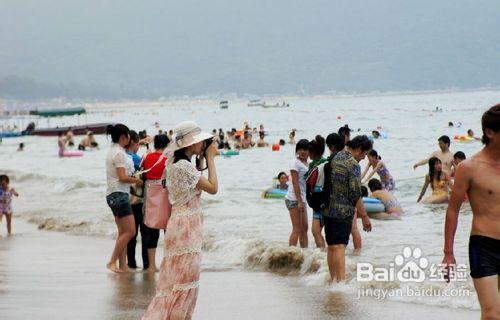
(177,289)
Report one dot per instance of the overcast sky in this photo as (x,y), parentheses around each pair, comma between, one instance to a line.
(256,46)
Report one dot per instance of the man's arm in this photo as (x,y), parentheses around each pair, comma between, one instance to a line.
(460,188)
(356,197)
(462,182)
(424,161)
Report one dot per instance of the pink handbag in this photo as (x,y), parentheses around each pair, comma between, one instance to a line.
(157,207)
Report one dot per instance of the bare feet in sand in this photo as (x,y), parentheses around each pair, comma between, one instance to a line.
(152,269)
(127,270)
(112,266)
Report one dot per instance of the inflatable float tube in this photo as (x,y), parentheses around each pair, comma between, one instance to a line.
(71,153)
(275,193)
(229,153)
(373,205)
(463,138)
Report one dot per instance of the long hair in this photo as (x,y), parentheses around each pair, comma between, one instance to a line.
(432,171)
(181,155)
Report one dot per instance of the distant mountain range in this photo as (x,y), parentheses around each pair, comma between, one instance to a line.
(110,49)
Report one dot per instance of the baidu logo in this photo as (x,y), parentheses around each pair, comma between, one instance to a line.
(412,265)
(409,266)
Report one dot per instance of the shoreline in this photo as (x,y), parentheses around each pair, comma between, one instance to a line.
(213,100)
(58,273)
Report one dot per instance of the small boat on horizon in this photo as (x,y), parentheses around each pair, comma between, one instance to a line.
(224,104)
(277,105)
(255,103)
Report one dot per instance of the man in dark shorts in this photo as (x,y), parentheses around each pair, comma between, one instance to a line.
(479,178)
(345,197)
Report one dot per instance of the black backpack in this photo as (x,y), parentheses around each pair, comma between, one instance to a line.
(318,186)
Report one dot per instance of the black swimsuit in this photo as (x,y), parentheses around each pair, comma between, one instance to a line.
(484,256)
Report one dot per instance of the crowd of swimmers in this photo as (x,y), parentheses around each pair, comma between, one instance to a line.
(310,154)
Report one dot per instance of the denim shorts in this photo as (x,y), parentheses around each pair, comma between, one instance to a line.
(119,203)
(318,216)
(291,204)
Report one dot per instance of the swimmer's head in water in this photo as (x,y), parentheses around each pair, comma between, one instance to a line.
(450,124)
(360,146)
(444,142)
(374,185)
(470,133)
(282,142)
(490,123)
(435,167)
(375,134)
(335,142)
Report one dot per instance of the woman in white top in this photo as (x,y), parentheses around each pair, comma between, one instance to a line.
(295,199)
(177,289)
(119,168)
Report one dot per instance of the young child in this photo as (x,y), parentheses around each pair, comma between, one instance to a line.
(282,181)
(6,201)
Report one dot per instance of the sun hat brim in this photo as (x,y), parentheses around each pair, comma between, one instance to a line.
(188,141)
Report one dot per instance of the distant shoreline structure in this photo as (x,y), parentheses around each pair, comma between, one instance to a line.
(210,100)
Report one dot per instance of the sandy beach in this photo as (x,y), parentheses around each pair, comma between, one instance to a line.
(52,275)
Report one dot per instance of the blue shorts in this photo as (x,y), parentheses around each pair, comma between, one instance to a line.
(119,203)
(318,216)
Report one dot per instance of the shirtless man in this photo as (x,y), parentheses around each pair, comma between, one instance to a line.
(444,154)
(479,178)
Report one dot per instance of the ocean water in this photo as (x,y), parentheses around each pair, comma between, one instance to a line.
(242,230)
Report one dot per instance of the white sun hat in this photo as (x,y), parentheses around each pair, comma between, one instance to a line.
(186,134)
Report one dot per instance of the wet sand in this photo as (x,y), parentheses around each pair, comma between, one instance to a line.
(49,275)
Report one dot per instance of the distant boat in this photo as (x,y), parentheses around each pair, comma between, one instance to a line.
(11,134)
(224,104)
(255,103)
(96,128)
(277,105)
(58,112)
